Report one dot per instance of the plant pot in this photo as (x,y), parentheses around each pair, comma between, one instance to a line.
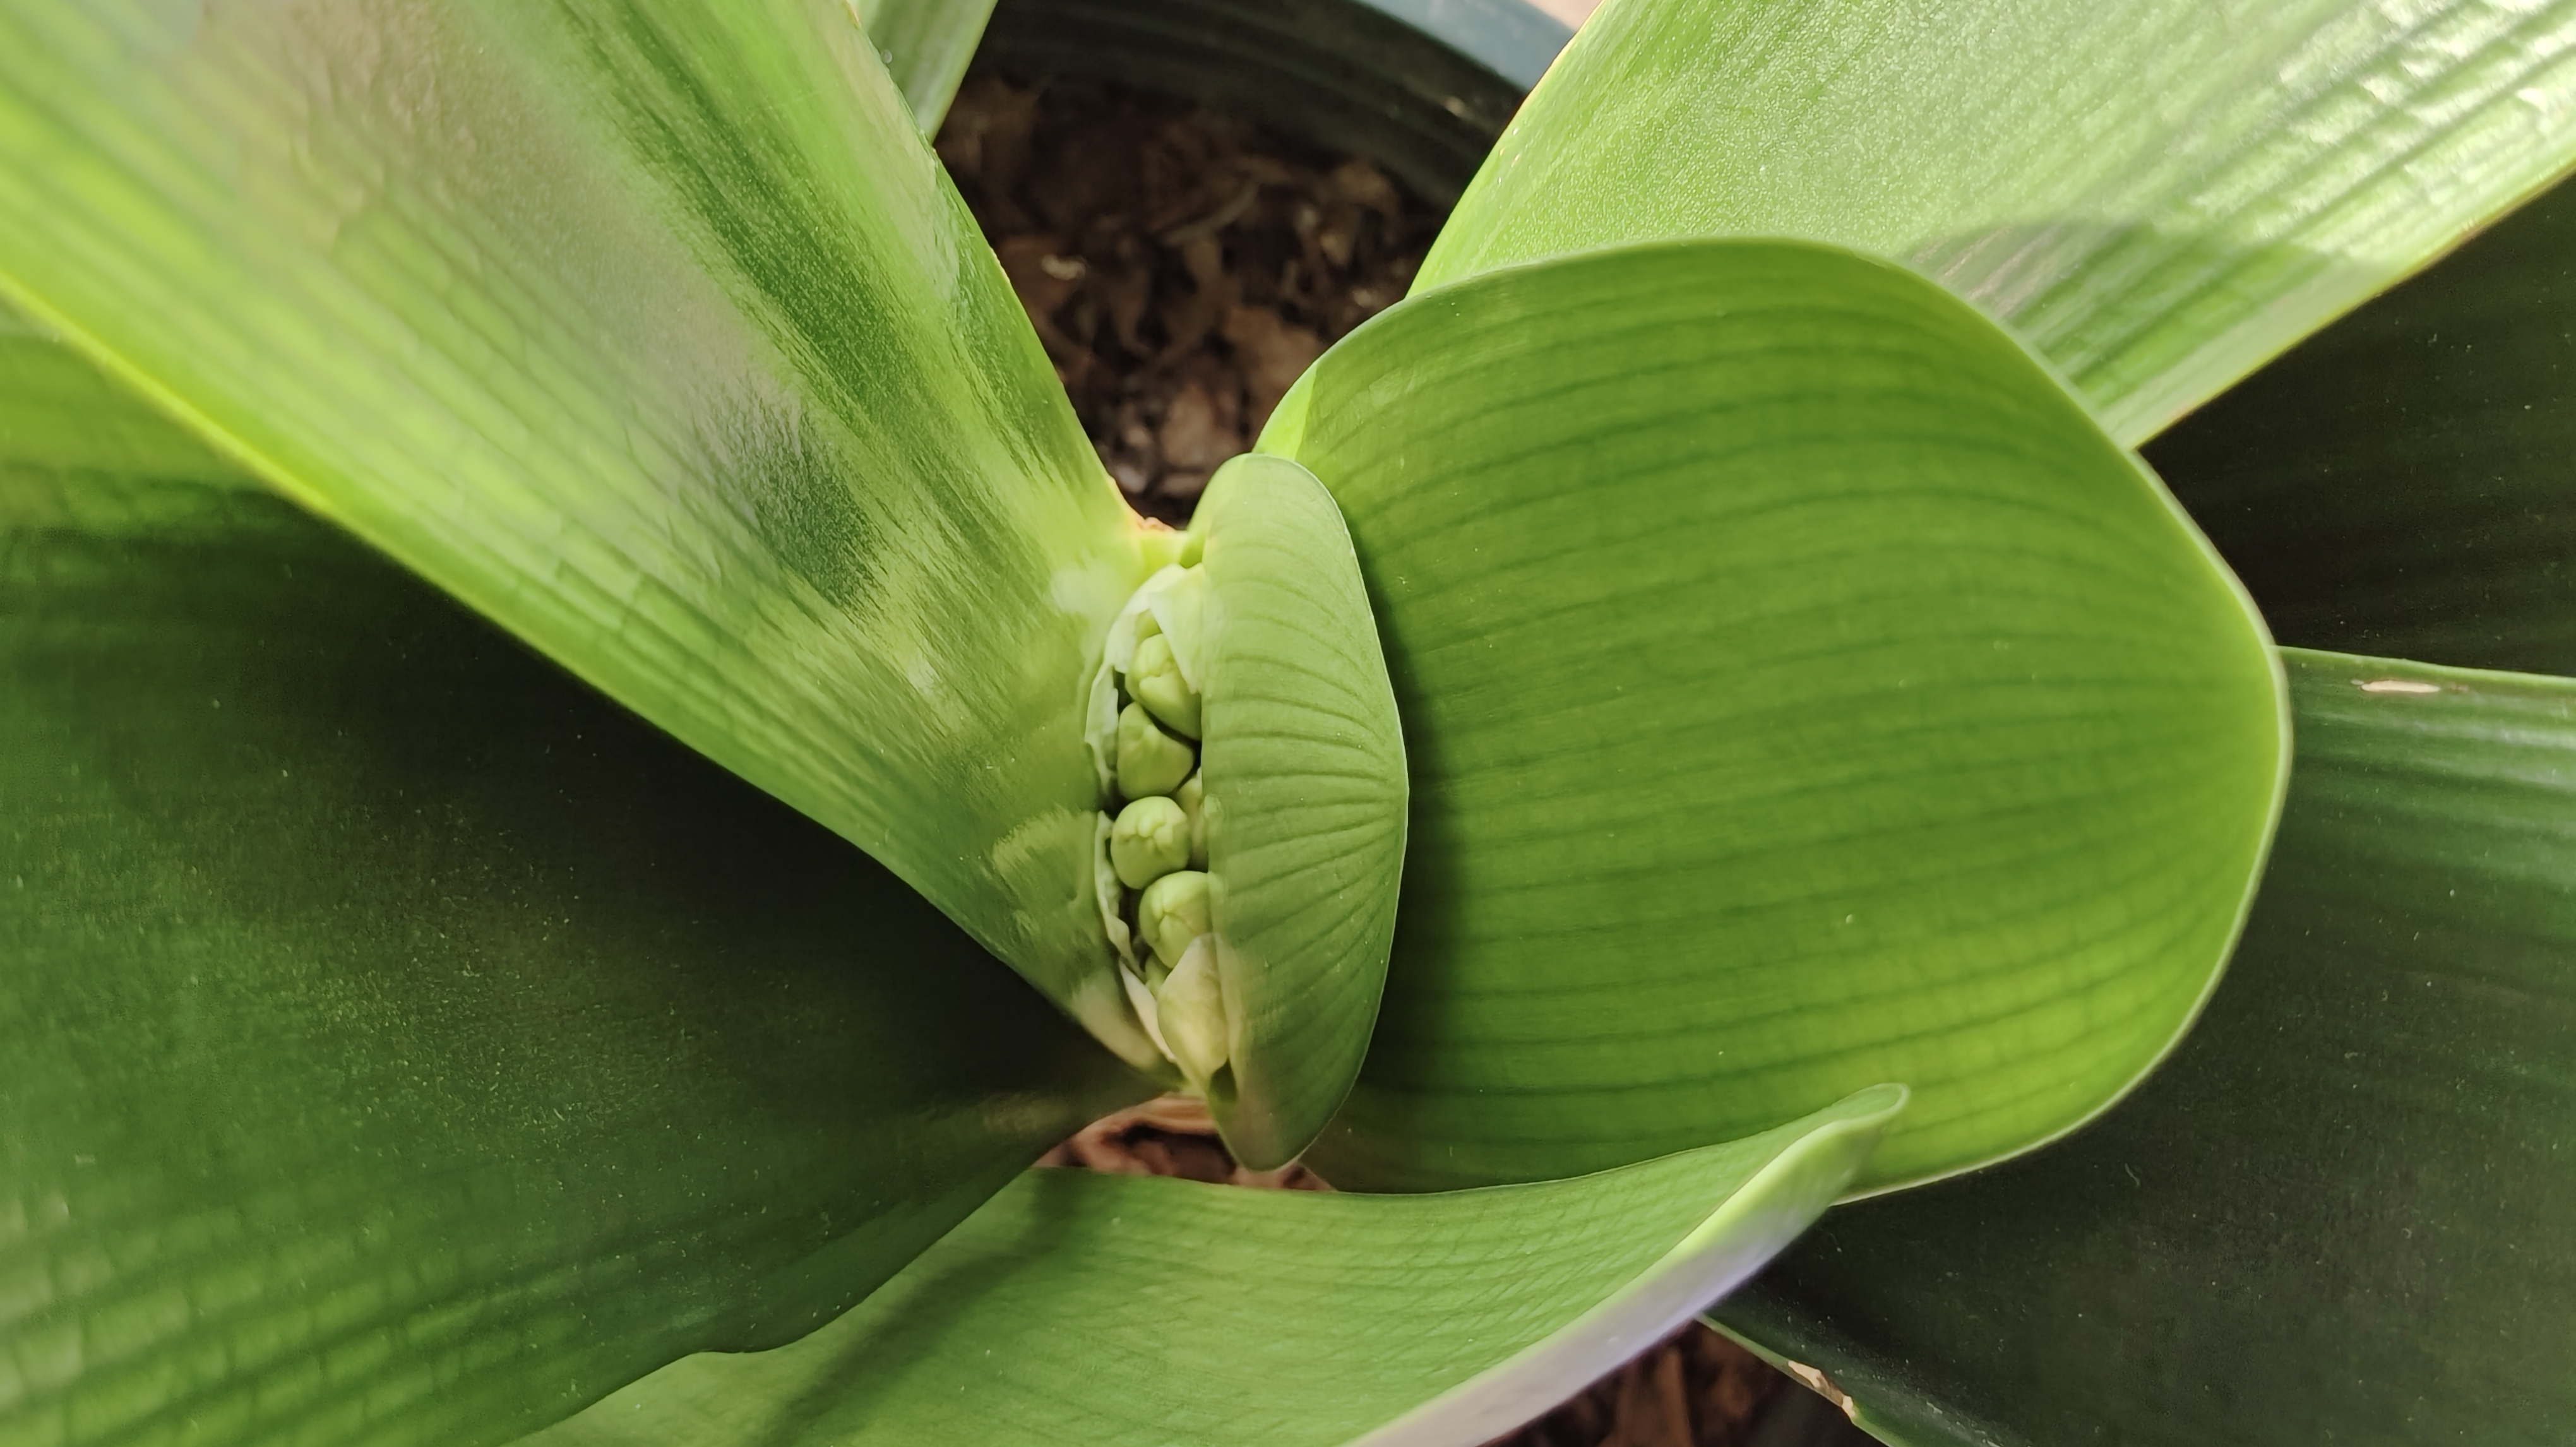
(1420,86)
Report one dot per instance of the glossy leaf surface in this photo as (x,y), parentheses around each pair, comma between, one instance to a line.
(1800,691)
(1306,783)
(2157,194)
(2339,1213)
(1079,1308)
(400,1043)
(2401,482)
(651,331)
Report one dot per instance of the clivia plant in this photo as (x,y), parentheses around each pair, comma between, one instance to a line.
(1696,714)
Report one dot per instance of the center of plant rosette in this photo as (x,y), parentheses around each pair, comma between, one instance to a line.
(1251,828)
(1146,717)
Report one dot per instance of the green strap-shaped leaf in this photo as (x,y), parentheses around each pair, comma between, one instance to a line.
(651,331)
(925,45)
(1800,691)
(401,1044)
(1082,1309)
(2401,482)
(2158,194)
(2341,1212)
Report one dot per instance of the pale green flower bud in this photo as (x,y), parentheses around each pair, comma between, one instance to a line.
(1135,621)
(1189,1006)
(1154,680)
(1150,840)
(1178,601)
(1150,761)
(1192,797)
(1172,912)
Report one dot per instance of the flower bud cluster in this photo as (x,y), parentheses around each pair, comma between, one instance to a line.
(1146,721)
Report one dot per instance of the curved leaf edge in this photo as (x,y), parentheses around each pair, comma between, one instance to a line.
(1741,1235)
(1052,1263)
(1282,435)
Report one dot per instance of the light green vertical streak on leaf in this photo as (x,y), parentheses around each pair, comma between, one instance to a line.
(652,332)
(1080,1309)
(926,44)
(2157,194)
(2340,1212)
(1800,691)
(402,1044)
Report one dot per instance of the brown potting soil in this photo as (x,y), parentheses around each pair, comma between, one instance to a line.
(1182,267)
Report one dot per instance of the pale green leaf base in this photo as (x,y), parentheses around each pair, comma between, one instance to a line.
(1079,1308)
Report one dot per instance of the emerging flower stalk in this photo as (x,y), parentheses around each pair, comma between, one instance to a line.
(1251,830)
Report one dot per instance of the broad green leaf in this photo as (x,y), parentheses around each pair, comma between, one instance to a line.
(925,45)
(1305,782)
(2340,1212)
(2400,483)
(1077,1308)
(2157,194)
(1800,692)
(651,331)
(400,1043)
